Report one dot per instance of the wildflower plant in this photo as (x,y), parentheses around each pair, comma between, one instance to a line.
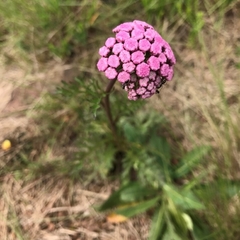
(142,61)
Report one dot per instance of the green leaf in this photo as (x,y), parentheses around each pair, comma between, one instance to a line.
(158,224)
(135,192)
(160,147)
(184,199)
(131,192)
(171,235)
(96,104)
(175,218)
(137,208)
(130,132)
(191,159)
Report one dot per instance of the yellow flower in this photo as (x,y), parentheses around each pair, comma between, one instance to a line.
(6,145)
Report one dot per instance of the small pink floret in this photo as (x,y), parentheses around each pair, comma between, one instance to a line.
(110,42)
(129,67)
(123,77)
(110,73)
(169,54)
(124,56)
(150,86)
(154,63)
(143,70)
(159,39)
(137,57)
(131,44)
(131,86)
(150,34)
(162,58)
(144,45)
(141,90)
(146,95)
(143,82)
(132,92)
(113,61)
(102,64)
(104,51)
(152,75)
(127,26)
(117,48)
(170,74)
(156,48)
(137,34)
(164,70)
(144,24)
(157,81)
(122,36)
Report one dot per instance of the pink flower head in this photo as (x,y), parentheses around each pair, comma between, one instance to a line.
(138,57)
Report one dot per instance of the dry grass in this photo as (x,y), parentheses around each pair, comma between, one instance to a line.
(51,208)
(207,80)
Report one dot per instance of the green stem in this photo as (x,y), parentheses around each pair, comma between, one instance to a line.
(107,108)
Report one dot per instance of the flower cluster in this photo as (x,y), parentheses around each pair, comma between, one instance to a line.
(138,57)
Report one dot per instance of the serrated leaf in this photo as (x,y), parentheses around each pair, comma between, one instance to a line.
(185,199)
(137,208)
(190,160)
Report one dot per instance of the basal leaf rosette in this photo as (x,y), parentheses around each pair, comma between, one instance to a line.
(138,57)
